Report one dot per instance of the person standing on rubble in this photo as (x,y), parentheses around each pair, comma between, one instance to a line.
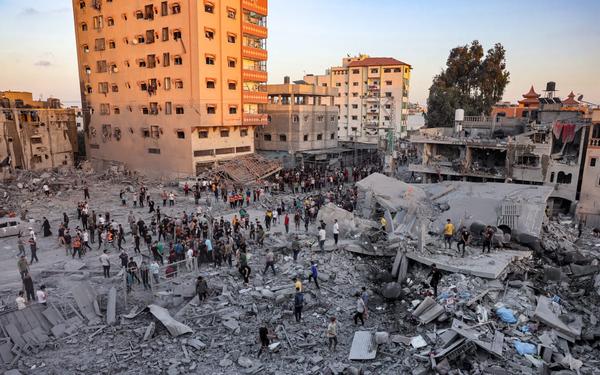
(105,262)
(322,237)
(448,233)
(144,274)
(436,276)
(28,286)
(20,301)
(463,240)
(21,245)
(298,304)
(295,247)
(269,262)
(46,227)
(189,259)
(286,223)
(245,271)
(314,273)
(336,232)
(488,236)
(265,339)
(154,270)
(201,288)
(23,266)
(86,192)
(360,310)
(33,248)
(332,333)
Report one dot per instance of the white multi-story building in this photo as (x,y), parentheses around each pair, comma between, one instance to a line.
(372,97)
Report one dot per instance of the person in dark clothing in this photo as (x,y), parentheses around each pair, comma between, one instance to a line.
(28,286)
(463,240)
(33,248)
(245,271)
(124,258)
(265,341)
(65,220)
(298,305)
(46,227)
(436,275)
(86,192)
(201,288)
(488,235)
(132,269)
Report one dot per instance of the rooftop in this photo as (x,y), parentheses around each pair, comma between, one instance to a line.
(376,61)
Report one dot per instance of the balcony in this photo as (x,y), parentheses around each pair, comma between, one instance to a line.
(258,6)
(254,97)
(253,29)
(594,142)
(255,119)
(254,75)
(256,54)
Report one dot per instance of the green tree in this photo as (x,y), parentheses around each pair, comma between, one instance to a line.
(470,81)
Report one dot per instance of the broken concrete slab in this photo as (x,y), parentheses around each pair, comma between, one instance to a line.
(363,346)
(149,331)
(111,306)
(174,327)
(545,313)
(489,266)
(85,296)
(495,347)
(428,310)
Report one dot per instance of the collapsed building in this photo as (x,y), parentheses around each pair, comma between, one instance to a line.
(35,135)
(546,147)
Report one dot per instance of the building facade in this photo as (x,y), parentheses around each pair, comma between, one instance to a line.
(169,87)
(372,97)
(35,135)
(588,208)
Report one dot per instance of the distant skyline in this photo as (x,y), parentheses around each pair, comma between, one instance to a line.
(545,41)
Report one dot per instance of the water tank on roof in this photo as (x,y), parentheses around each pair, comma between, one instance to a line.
(551,86)
(286,80)
(459,115)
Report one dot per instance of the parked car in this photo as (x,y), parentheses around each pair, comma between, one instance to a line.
(11,226)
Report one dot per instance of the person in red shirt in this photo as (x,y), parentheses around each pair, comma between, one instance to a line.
(286,222)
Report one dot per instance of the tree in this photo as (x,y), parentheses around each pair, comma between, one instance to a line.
(470,82)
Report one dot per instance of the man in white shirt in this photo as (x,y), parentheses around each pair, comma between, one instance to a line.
(105,261)
(336,232)
(154,268)
(189,259)
(322,235)
(46,189)
(42,296)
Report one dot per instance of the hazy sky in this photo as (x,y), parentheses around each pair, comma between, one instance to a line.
(545,40)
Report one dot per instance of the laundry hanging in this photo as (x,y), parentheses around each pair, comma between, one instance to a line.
(557,129)
(568,134)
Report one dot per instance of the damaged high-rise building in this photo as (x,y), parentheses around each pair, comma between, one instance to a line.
(545,144)
(171,87)
(35,134)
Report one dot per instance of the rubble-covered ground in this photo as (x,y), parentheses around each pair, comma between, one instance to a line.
(225,326)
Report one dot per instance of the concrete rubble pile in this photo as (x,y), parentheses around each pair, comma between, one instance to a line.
(528,307)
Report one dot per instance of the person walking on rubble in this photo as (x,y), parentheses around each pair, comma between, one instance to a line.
(360,310)
(314,273)
(448,233)
(436,276)
(23,266)
(298,304)
(201,288)
(322,237)
(331,333)
(86,192)
(265,339)
(33,248)
(269,262)
(105,262)
(28,286)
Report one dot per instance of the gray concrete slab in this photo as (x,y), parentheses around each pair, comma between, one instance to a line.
(363,346)
(111,306)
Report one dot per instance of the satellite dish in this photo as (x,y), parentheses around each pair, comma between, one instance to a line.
(580,98)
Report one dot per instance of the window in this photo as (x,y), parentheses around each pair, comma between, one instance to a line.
(114,87)
(82,4)
(145,133)
(305,138)
(338,84)
(232,85)
(354,83)
(397,70)
(180,134)
(210,60)
(231,62)
(209,34)
(178,84)
(232,110)
(243,149)
(388,83)
(110,21)
(116,110)
(177,34)
(151,61)
(295,118)
(179,110)
(210,84)
(224,133)
(149,12)
(164,8)
(149,36)
(211,109)
(319,137)
(104,109)
(374,71)
(166,59)
(168,108)
(332,136)
(209,8)
(267,137)
(354,117)
(154,108)
(355,71)
(139,15)
(203,134)
(320,118)
(167,83)
(231,13)
(354,94)
(282,138)
(592,162)
(231,38)
(324,84)
(154,151)
(386,118)
(387,70)
(83,26)
(142,63)
(98,22)
(175,8)
(355,106)
(101,66)
(223,151)
(563,178)
(243,132)
(99,44)
(388,94)
(85,48)
(36,140)
(112,44)
(140,39)
(178,60)
(165,34)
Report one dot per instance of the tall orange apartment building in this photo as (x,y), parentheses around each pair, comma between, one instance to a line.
(170,87)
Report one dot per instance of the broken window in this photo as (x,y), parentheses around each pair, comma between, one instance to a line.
(178,84)
(295,118)
(231,38)
(180,134)
(154,132)
(139,15)
(563,178)
(83,26)
(110,21)
(154,108)
(231,62)
(232,85)
(145,132)
(527,160)
(112,44)
(592,162)
(36,140)
(209,34)
(85,48)
(116,110)
(177,34)
(231,13)
(154,150)
(305,138)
